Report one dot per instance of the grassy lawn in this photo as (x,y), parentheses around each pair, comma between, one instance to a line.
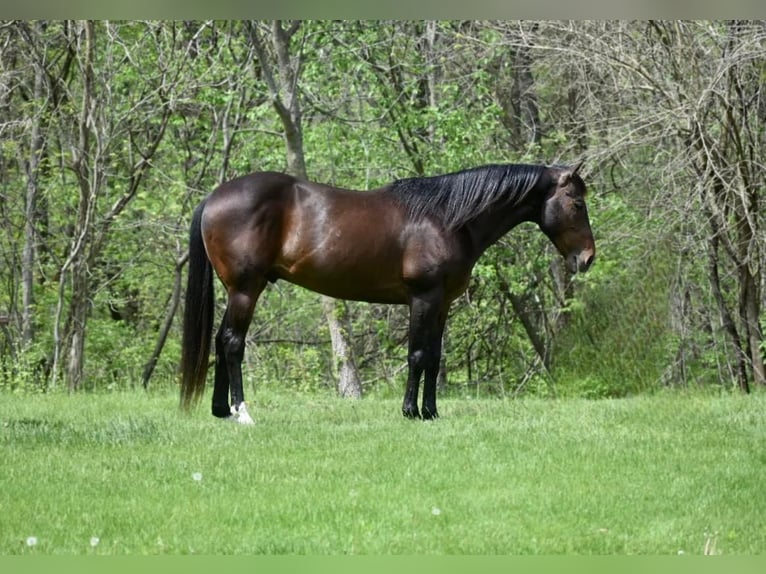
(126,473)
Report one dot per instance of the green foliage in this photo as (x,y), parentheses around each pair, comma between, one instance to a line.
(24,373)
(617,341)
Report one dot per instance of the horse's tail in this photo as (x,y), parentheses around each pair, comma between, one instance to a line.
(198,316)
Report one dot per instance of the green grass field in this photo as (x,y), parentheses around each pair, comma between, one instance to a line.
(126,473)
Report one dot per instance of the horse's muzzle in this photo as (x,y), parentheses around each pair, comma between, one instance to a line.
(581,262)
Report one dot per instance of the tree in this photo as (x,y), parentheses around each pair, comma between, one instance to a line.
(36,150)
(39,94)
(686,108)
(98,128)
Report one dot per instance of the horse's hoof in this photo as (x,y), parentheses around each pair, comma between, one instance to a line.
(240,415)
(222,412)
(411,412)
(430,415)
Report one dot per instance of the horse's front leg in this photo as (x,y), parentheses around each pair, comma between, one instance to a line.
(431,368)
(410,403)
(423,354)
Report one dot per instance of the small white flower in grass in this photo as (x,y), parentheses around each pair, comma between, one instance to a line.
(31,540)
(436,511)
(197,476)
(94,540)
(681,552)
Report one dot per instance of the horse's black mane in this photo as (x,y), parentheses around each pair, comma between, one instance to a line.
(456,198)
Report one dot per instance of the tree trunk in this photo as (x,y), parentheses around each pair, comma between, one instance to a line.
(344,368)
(563,290)
(727,321)
(517,94)
(72,344)
(28,255)
(749,317)
(526,106)
(742,142)
(537,340)
(175,298)
(77,322)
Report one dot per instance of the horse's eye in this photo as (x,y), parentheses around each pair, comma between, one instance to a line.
(579,204)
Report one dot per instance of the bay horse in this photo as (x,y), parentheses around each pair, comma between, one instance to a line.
(412,242)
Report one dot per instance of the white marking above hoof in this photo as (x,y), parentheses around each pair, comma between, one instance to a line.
(240,415)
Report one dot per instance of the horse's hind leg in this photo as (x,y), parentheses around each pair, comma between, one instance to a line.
(221,389)
(231,341)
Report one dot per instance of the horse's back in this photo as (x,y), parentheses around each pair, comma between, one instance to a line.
(343,243)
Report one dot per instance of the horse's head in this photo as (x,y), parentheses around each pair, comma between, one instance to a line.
(564,218)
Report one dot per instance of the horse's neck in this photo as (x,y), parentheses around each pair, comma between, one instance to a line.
(488,228)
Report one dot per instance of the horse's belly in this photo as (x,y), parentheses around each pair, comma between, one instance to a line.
(373,282)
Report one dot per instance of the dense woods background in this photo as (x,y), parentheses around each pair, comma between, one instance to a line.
(111,132)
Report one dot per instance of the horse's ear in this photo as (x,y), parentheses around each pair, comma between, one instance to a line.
(567,174)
